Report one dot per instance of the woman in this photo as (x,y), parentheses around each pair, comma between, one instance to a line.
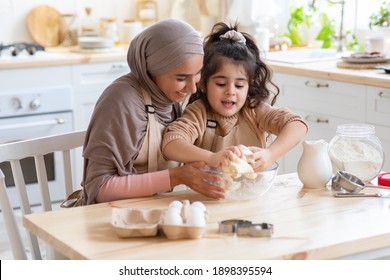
(122,146)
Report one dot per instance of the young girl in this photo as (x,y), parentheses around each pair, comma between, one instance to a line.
(232,108)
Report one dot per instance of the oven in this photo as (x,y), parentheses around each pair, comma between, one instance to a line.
(36,113)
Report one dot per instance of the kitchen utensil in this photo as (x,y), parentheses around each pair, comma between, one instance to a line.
(230,226)
(45,25)
(384,67)
(256,230)
(344,195)
(353,185)
(246,228)
(347,182)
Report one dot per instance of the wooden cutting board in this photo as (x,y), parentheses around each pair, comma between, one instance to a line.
(45,25)
(358,66)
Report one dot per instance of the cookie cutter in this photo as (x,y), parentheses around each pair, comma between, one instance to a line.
(256,230)
(246,228)
(230,226)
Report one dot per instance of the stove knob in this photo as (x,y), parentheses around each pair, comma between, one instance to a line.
(35,104)
(16,103)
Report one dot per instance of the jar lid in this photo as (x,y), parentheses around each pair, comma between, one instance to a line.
(384,179)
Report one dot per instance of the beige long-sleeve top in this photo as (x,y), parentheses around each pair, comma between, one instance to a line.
(263,121)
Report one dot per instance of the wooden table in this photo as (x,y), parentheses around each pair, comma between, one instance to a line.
(308,224)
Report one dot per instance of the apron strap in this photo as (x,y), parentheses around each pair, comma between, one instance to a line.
(152,156)
(209,135)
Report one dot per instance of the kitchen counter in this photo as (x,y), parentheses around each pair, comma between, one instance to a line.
(329,70)
(322,70)
(62,56)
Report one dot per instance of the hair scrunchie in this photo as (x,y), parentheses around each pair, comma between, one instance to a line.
(234,36)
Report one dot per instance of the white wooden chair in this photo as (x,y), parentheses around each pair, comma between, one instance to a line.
(65,144)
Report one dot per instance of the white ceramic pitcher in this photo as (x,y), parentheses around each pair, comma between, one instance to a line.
(314,166)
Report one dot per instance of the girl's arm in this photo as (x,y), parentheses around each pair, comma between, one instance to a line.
(291,135)
(182,151)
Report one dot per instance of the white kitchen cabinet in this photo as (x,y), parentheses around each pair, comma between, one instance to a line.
(323,104)
(89,81)
(378,114)
(22,79)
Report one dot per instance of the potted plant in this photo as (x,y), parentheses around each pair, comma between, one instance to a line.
(382,17)
(305,20)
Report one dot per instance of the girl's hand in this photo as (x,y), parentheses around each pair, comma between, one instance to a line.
(224,157)
(262,158)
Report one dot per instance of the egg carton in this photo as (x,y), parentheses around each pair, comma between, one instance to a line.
(175,222)
(129,222)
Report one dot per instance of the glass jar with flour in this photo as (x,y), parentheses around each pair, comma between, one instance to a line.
(357,150)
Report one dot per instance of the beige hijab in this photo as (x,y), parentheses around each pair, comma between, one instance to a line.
(118,125)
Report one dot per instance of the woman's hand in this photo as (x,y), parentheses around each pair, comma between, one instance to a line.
(191,176)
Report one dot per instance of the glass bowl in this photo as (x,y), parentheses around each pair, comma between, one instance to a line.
(245,186)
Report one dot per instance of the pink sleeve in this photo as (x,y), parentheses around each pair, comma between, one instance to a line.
(121,187)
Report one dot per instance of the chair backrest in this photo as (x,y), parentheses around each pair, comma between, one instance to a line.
(65,144)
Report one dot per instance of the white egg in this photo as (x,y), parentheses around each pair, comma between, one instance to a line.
(198,204)
(196,211)
(172,219)
(175,204)
(174,210)
(196,220)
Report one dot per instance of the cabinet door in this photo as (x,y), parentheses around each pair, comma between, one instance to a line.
(378,114)
(323,104)
(320,126)
(325,97)
(89,82)
(383,133)
(378,106)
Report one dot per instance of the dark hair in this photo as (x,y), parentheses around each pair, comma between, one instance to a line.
(216,51)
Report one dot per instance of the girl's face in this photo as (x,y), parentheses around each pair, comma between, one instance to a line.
(178,83)
(227,89)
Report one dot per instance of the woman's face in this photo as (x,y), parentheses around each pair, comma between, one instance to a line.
(227,89)
(178,83)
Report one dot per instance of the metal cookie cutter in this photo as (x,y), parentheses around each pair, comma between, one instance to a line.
(230,226)
(256,230)
(246,228)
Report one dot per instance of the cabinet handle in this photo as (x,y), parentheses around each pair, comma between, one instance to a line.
(384,94)
(118,67)
(316,119)
(315,84)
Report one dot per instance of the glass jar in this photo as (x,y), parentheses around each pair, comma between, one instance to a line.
(356,149)
(109,30)
(89,25)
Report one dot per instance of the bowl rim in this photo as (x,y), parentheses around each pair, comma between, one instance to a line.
(217,170)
